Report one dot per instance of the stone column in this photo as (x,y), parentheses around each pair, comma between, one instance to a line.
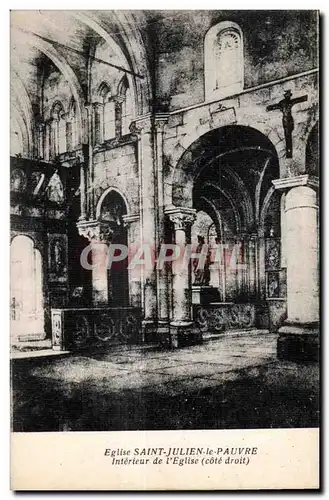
(41,140)
(299,334)
(90,202)
(118,115)
(252,271)
(146,169)
(53,138)
(98,122)
(99,236)
(68,135)
(162,279)
(181,326)
(83,196)
(47,142)
(132,222)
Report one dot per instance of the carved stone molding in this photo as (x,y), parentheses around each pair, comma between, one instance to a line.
(160,120)
(141,125)
(182,218)
(129,219)
(119,99)
(95,231)
(97,105)
(300,180)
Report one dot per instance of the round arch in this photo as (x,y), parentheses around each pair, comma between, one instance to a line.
(207,148)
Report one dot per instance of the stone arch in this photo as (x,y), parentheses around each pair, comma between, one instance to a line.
(237,217)
(16,119)
(133,51)
(57,108)
(68,73)
(26,288)
(127,104)
(103,90)
(104,195)
(208,147)
(229,34)
(264,209)
(23,111)
(264,128)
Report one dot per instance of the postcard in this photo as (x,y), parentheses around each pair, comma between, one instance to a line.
(164,253)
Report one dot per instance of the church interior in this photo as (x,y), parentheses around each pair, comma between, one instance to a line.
(138,128)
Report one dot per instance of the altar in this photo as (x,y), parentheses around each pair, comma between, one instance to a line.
(83,328)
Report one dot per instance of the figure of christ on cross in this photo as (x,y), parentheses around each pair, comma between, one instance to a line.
(285,106)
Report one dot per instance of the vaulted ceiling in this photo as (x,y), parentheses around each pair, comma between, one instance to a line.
(43,39)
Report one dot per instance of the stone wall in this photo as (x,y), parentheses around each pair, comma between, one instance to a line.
(185,126)
(270,38)
(117,168)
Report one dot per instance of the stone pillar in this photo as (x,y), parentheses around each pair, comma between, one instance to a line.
(41,140)
(47,144)
(161,274)
(132,222)
(83,197)
(69,146)
(252,271)
(118,115)
(146,169)
(182,331)
(99,236)
(98,122)
(90,202)
(299,335)
(52,124)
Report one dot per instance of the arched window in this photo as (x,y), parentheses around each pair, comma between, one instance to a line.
(127,105)
(223,60)
(106,120)
(27,310)
(71,128)
(58,136)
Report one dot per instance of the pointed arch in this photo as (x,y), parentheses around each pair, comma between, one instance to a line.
(134,53)
(127,105)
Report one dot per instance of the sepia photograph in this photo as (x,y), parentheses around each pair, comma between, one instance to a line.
(164,225)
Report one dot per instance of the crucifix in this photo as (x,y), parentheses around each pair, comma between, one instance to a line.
(285,106)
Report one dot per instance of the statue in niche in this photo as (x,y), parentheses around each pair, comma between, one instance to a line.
(273,285)
(17,180)
(55,190)
(58,258)
(202,275)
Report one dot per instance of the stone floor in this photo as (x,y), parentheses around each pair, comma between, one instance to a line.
(233,381)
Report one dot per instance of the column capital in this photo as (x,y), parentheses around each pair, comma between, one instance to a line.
(291,182)
(89,107)
(160,120)
(41,126)
(181,217)
(119,99)
(95,231)
(141,124)
(129,219)
(97,105)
